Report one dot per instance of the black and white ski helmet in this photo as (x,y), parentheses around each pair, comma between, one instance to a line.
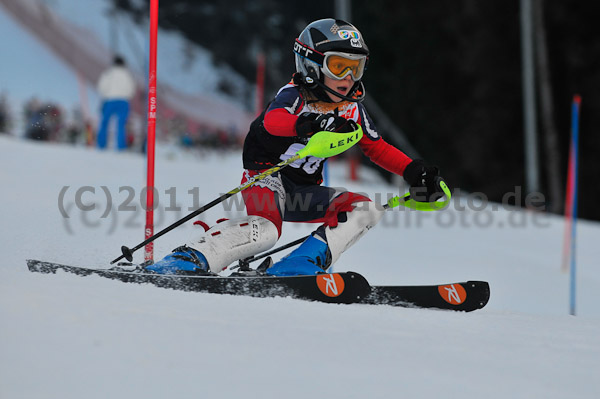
(320,37)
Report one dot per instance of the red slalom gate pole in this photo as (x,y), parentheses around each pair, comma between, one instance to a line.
(151,137)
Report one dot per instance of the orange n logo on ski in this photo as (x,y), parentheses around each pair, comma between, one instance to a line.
(331,285)
(454,294)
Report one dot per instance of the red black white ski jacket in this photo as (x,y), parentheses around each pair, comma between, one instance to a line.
(272,137)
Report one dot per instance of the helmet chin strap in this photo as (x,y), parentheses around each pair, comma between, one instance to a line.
(312,82)
(349,97)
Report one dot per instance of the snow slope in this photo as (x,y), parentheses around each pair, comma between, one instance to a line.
(63,336)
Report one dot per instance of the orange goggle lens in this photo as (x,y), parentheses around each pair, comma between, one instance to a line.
(339,66)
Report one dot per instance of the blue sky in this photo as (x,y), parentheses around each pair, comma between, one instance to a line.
(29,69)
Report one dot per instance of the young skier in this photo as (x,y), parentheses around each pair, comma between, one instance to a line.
(325,94)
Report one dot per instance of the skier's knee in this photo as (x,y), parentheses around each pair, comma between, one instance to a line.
(361,219)
(366,214)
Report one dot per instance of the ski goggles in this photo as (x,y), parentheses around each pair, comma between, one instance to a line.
(337,65)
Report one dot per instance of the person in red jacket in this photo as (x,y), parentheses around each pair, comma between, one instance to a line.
(325,94)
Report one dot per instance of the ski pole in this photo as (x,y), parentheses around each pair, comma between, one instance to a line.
(392,203)
(273,251)
(321,145)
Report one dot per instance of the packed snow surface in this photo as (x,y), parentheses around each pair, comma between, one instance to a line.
(65,336)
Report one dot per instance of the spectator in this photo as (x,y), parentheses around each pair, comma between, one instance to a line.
(116,88)
(43,121)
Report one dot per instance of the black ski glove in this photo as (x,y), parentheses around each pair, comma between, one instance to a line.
(309,123)
(424,181)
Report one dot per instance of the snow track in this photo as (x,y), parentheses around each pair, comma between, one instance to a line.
(62,336)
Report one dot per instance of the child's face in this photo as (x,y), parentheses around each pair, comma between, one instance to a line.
(341,86)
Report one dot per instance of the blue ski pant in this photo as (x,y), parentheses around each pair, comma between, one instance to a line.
(110,108)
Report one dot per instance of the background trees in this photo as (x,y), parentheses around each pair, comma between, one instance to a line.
(448,73)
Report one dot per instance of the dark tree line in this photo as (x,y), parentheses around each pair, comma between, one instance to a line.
(236,31)
(447,72)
